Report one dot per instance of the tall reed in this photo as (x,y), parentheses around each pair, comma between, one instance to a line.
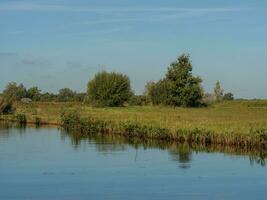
(72,121)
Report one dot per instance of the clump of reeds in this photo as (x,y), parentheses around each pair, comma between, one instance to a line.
(72,121)
(21,118)
(135,129)
(37,121)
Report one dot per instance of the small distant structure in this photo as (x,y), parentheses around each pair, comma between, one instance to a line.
(26,100)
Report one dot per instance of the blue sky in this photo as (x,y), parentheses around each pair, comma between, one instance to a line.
(63,43)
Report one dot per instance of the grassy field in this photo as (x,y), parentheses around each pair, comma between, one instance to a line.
(225,117)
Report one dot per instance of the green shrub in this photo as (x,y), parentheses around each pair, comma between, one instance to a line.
(159,92)
(139,100)
(109,89)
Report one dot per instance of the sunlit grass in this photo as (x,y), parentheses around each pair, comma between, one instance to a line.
(226,117)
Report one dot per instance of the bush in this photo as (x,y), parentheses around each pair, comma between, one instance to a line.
(138,100)
(159,92)
(109,89)
(228,96)
(13,91)
(66,94)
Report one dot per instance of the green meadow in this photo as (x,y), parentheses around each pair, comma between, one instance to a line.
(236,117)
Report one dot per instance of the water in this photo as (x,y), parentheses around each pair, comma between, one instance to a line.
(48,164)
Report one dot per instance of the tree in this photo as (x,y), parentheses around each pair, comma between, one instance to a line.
(66,94)
(34,93)
(159,92)
(138,100)
(109,89)
(185,89)
(208,98)
(14,91)
(48,97)
(228,96)
(218,92)
(80,97)
(179,87)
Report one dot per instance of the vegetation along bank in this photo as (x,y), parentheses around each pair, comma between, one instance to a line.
(173,108)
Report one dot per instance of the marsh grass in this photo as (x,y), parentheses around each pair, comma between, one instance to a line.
(241,123)
(73,122)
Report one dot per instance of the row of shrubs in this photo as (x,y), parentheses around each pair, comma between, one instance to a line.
(72,122)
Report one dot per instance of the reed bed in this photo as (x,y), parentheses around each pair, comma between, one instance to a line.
(73,122)
(236,123)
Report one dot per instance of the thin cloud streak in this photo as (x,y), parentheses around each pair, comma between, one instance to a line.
(8,54)
(64,8)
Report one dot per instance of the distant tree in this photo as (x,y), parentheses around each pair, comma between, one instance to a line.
(159,92)
(218,92)
(228,96)
(34,93)
(148,87)
(185,89)
(48,97)
(14,92)
(138,100)
(109,89)
(66,94)
(179,87)
(208,98)
(80,97)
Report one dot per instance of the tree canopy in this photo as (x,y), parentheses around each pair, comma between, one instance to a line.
(179,87)
(109,89)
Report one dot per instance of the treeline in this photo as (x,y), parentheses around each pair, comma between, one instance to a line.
(19,92)
(179,87)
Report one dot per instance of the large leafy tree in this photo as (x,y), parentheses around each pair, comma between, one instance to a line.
(34,93)
(109,89)
(179,87)
(185,89)
(14,92)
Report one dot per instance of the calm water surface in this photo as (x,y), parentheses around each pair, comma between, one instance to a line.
(47,163)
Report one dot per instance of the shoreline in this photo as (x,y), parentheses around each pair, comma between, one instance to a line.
(77,133)
(236,123)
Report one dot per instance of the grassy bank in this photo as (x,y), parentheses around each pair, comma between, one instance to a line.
(233,122)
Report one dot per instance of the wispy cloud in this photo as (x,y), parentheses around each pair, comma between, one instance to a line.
(30,6)
(27,61)
(125,21)
(8,54)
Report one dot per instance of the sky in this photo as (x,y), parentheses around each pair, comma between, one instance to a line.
(55,44)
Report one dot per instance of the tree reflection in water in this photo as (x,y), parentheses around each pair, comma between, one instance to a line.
(182,153)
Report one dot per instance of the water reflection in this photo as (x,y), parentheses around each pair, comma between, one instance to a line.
(182,153)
